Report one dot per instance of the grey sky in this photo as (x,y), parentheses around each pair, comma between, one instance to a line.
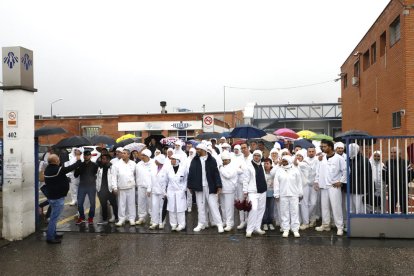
(127,56)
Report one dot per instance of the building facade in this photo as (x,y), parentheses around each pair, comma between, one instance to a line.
(377,78)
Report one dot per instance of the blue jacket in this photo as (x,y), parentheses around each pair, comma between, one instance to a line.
(195,179)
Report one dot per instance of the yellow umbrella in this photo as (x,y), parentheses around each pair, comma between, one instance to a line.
(124,137)
(306,134)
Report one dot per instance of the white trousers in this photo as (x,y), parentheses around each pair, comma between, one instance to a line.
(276,212)
(143,203)
(240,196)
(254,221)
(157,201)
(227,208)
(357,207)
(74,185)
(211,200)
(189,199)
(177,218)
(126,204)
(332,197)
(289,210)
(308,203)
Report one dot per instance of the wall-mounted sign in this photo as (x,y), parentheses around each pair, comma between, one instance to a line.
(181,125)
(11,117)
(17,65)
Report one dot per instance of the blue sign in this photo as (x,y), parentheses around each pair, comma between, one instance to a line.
(10,60)
(181,125)
(27,62)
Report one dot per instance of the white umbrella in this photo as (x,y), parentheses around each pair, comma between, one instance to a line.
(135,146)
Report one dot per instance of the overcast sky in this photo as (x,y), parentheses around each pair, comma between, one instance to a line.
(127,56)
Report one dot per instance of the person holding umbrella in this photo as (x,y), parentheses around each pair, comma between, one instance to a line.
(158,191)
(177,185)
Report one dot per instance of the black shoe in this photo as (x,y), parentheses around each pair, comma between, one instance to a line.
(58,236)
(55,241)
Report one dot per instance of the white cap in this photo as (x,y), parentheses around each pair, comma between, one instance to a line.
(277,146)
(339,145)
(237,147)
(225,155)
(223,138)
(177,143)
(160,158)
(225,145)
(302,152)
(258,152)
(175,156)
(147,153)
(202,147)
(287,158)
(170,149)
(274,150)
(121,149)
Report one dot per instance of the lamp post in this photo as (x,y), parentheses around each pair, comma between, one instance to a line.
(51,106)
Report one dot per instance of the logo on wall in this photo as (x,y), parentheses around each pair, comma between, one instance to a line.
(27,62)
(181,125)
(10,60)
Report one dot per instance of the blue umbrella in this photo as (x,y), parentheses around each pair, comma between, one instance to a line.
(247,132)
(303,143)
(193,142)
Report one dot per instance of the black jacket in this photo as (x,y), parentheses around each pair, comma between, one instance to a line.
(195,179)
(56,182)
(87,173)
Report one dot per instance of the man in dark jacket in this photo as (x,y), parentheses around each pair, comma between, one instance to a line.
(56,187)
(87,186)
(204,179)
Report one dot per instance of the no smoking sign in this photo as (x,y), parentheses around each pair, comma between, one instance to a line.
(12,118)
(208,120)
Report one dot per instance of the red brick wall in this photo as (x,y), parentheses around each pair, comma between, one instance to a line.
(384,85)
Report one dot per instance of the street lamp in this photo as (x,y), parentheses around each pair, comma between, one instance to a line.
(51,106)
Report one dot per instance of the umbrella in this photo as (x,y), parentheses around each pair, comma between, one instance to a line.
(74,141)
(102,139)
(303,143)
(157,138)
(238,142)
(169,141)
(320,137)
(123,143)
(135,146)
(193,142)
(270,137)
(49,130)
(282,130)
(341,136)
(208,135)
(306,134)
(289,135)
(247,132)
(124,137)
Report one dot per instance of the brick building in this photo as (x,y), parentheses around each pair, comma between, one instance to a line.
(378,76)
(185,125)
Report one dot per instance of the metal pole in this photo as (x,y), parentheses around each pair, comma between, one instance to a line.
(224,106)
(51,106)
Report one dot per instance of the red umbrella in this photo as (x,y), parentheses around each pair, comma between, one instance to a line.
(238,142)
(289,135)
(283,130)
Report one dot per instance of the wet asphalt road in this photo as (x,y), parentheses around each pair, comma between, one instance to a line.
(205,254)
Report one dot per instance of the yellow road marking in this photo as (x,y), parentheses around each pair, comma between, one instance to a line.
(67,219)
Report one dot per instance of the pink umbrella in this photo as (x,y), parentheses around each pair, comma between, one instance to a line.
(289,135)
(283,130)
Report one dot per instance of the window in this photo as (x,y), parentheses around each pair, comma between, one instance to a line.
(89,131)
(395,33)
(374,53)
(365,59)
(182,134)
(396,119)
(137,134)
(345,80)
(383,43)
(356,69)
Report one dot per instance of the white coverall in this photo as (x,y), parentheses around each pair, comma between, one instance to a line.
(177,203)
(288,188)
(229,176)
(143,179)
(158,190)
(123,181)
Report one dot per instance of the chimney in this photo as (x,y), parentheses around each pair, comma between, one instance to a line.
(163,105)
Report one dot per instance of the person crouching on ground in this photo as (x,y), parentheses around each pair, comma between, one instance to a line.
(288,189)
(57,187)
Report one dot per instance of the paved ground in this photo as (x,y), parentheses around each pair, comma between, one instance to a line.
(205,254)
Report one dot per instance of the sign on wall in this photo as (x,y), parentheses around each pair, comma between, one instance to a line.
(208,123)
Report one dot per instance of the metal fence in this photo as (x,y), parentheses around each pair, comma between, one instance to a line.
(380,178)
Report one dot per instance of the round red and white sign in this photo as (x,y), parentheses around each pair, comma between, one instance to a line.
(208,120)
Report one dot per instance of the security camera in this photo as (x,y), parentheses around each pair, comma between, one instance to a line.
(402,112)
